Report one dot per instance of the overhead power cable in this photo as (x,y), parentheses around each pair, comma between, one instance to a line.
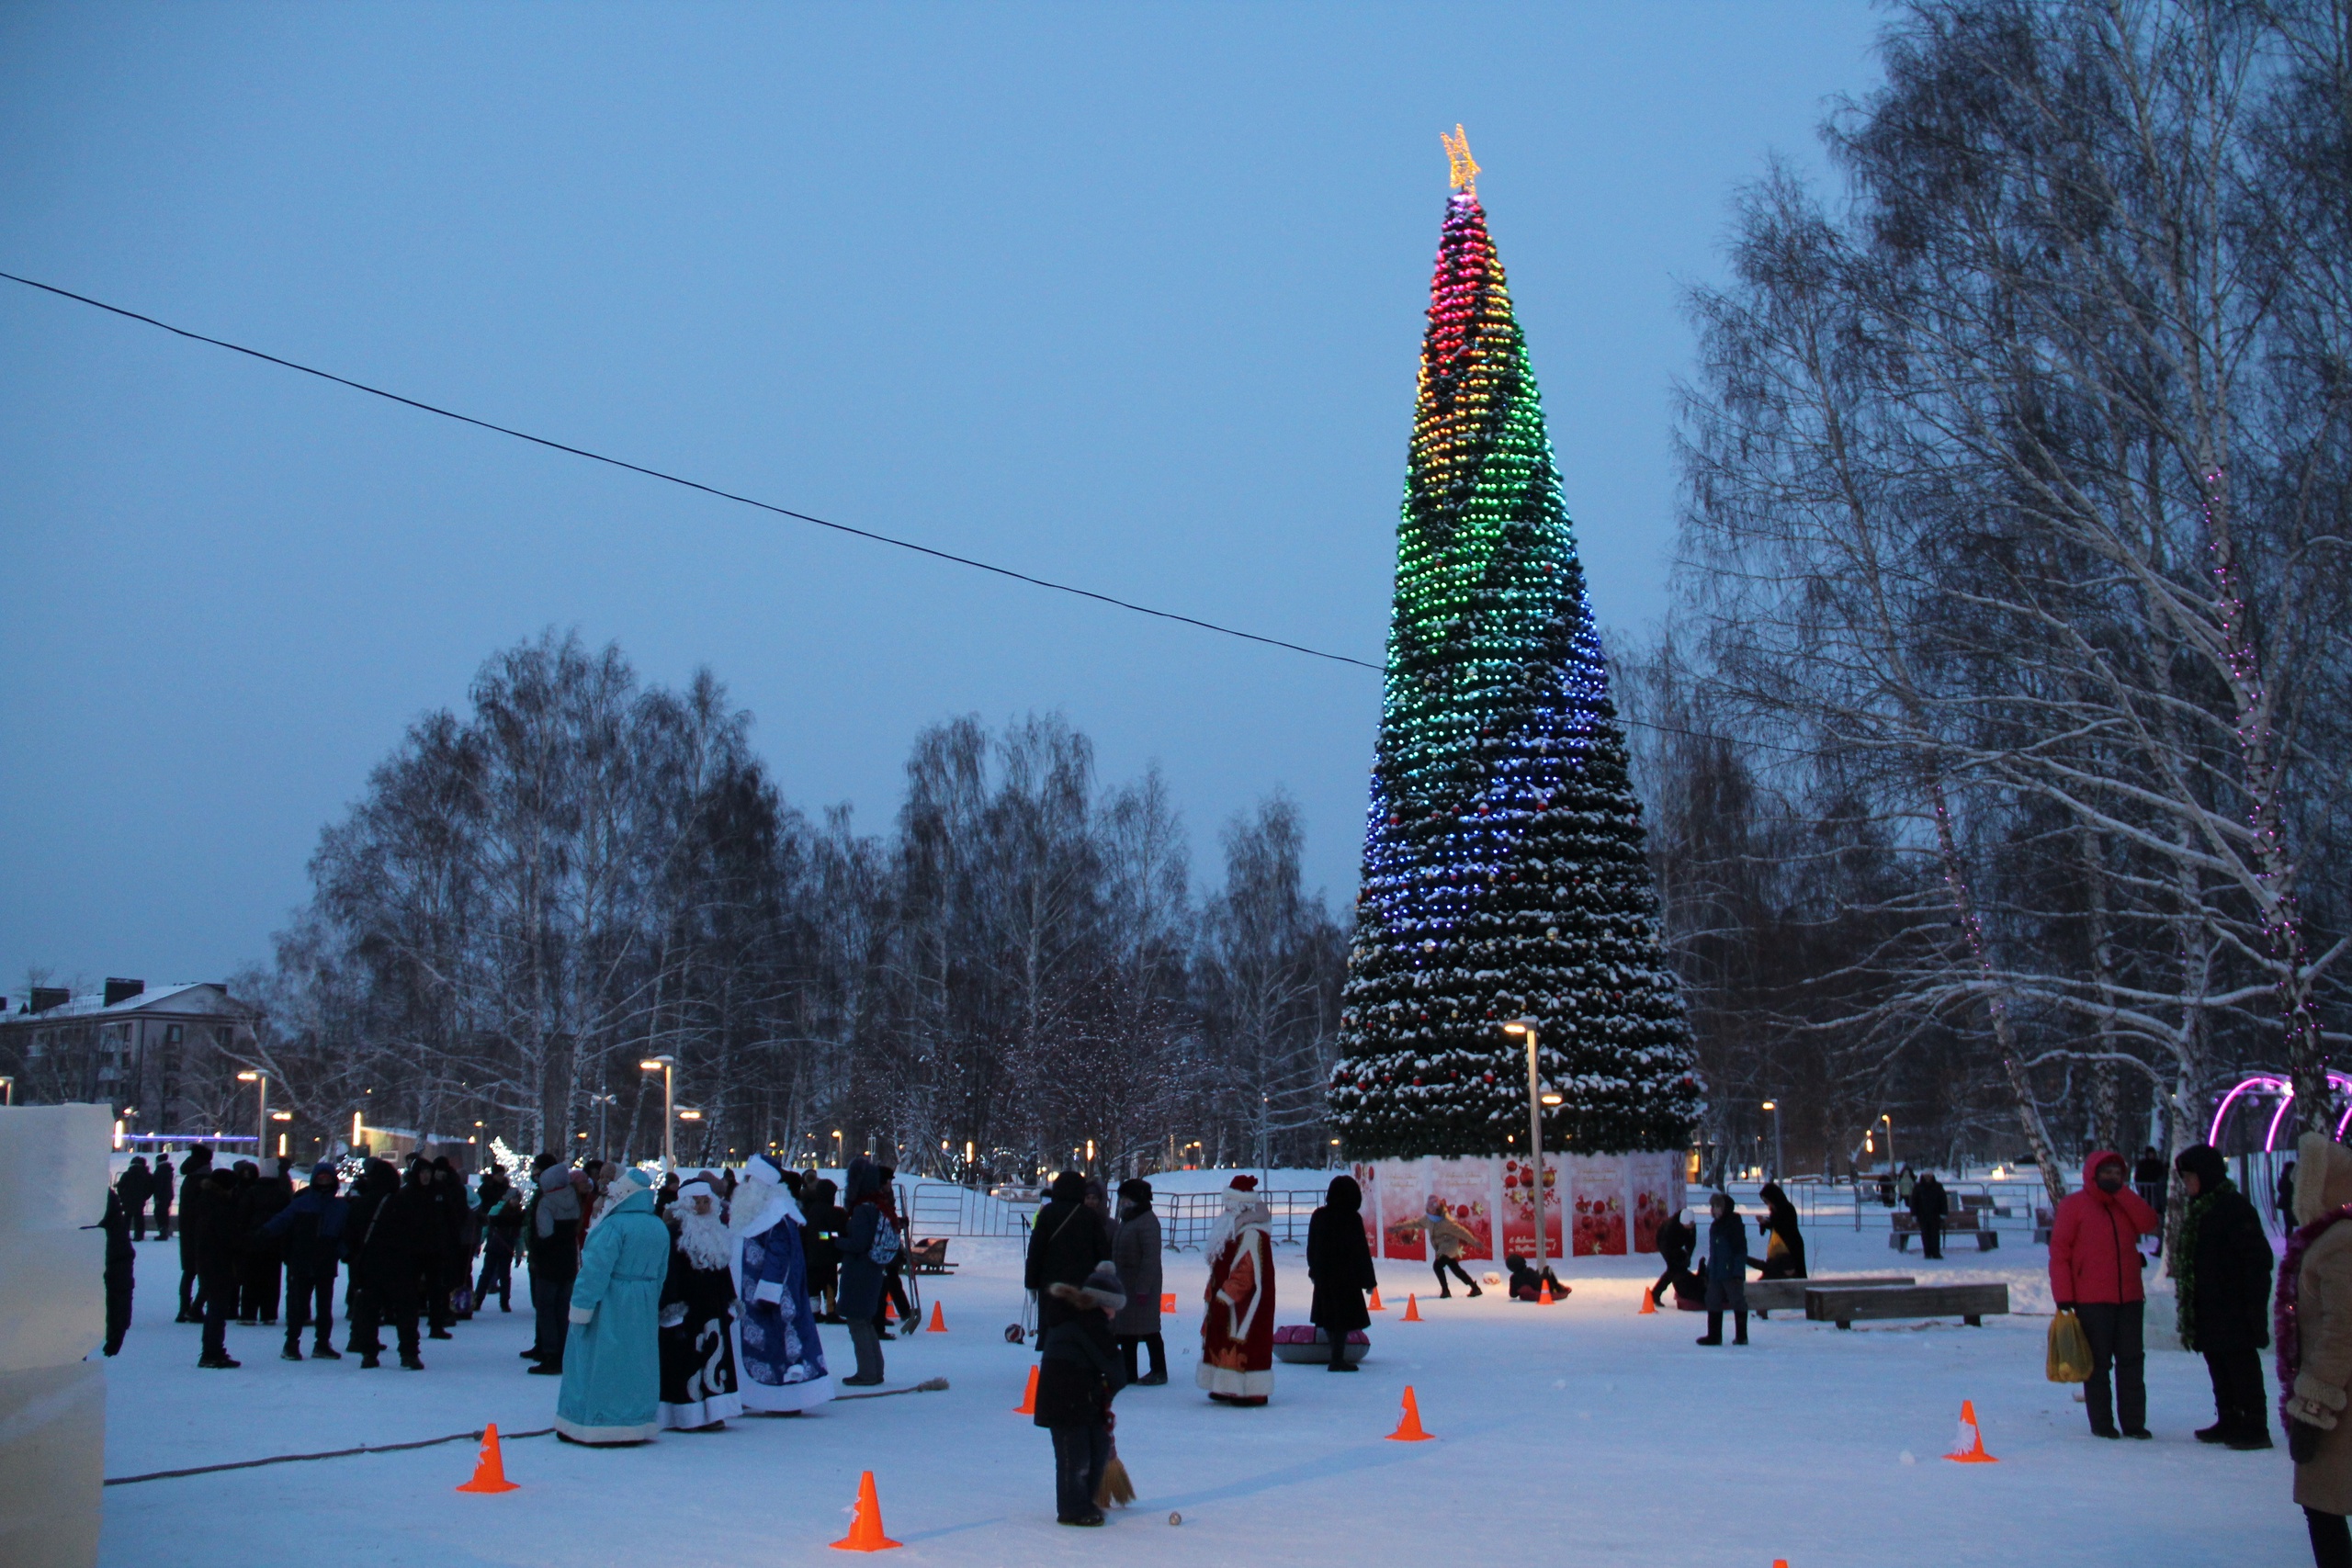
(683,483)
(696,484)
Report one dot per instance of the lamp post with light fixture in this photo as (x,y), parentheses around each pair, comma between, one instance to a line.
(1536,1101)
(1774,1107)
(668,1067)
(260,1080)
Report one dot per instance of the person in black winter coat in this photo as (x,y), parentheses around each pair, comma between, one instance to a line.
(308,1233)
(1338,1263)
(499,1217)
(551,1241)
(388,1246)
(2225,1296)
(821,1244)
(1066,1241)
(216,1256)
(193,1169)
(163,1188)
(1783,1242)
(1929,1206)
(862,1278)
(261,1260)
(1078,1374)
(121,1260)
(1677,1240)
(1727,1269)
(135,1186)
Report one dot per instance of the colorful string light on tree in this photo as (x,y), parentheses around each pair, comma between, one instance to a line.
(1504,875)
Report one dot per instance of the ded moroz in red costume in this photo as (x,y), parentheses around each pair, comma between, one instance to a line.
(1237,1334)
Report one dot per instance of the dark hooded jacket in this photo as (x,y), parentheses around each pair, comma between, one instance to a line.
(1780,1224)
(1339,1261)
(1067,1240)
(2226,1296)
(859,1294)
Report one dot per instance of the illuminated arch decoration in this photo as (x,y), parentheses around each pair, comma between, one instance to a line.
(2268,1083)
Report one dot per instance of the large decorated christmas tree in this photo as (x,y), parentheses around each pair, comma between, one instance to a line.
(1504,875)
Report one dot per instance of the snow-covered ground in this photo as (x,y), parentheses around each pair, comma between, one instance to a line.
(1585,1434)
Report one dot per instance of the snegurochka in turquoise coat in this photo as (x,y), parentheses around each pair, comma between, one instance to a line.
(612,1360)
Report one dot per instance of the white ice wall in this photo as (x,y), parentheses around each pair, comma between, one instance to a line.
(52,1313)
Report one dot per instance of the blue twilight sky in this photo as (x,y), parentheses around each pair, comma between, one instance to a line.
(1129,296)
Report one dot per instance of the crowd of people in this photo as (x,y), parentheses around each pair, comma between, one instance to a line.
(684,1304)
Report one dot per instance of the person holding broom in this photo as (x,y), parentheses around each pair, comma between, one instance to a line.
(1078,1374)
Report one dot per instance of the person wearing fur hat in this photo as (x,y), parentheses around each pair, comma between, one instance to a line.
(2222,1273)
(1135,1252)
(1078,1374)
(1237,1332)
(310,1232)
(612,1361)
(698,1369)
(781,1359)
(2315,1324)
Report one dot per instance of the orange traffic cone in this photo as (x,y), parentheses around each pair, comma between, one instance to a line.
(889,1310)
(1649,1305)
(1028,1405)
(938,1320)
(1376,1305)
(1413,1309)
(1409,1430)
(1968,1447)
(1543,1294)
(866,1524)
(1167,1301)
(490,1470)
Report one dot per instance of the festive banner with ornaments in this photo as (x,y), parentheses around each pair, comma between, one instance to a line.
(1593,1204)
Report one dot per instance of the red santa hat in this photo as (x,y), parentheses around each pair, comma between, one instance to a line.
(1244,1184)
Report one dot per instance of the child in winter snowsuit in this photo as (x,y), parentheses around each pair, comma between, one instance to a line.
(1526,1285)
(1078,1374)
(1677,1240)
(1726,1271)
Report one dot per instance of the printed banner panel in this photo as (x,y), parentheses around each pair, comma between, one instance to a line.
(1518,1206)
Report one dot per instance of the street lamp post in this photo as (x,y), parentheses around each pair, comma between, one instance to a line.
(668,1067)
(1774,1107)
(604,1103)
(1890,1141)
(1536,1101)
(261,1110)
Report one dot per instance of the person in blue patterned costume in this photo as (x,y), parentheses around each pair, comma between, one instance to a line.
(780,1362)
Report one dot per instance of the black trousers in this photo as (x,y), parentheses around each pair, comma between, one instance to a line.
(258,1285)
(220,1289)
(119,1289)
(1441,1264)
(2114,1332)
(434,1284)
(191,1288)
(138,1218)
(2238,1400)
(1156,1344)
(162,1218)
(393,1302)
(2331,1539)
(551,1302)
(1931,1238)
(1080,1456)
(309,1300)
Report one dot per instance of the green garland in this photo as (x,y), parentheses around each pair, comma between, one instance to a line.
(2184,1267)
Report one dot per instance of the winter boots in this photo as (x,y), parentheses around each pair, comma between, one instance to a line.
(411,1361)
(218,1361)
(293,1351)
(323,1351)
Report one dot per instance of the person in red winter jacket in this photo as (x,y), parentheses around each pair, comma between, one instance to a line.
(2095,1266)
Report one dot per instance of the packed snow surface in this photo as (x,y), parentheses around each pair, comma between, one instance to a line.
(1580,1433)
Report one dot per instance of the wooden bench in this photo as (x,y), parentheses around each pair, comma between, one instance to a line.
(1964,1222)
(929,1256)
(1846,1305)
(1765,1297)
